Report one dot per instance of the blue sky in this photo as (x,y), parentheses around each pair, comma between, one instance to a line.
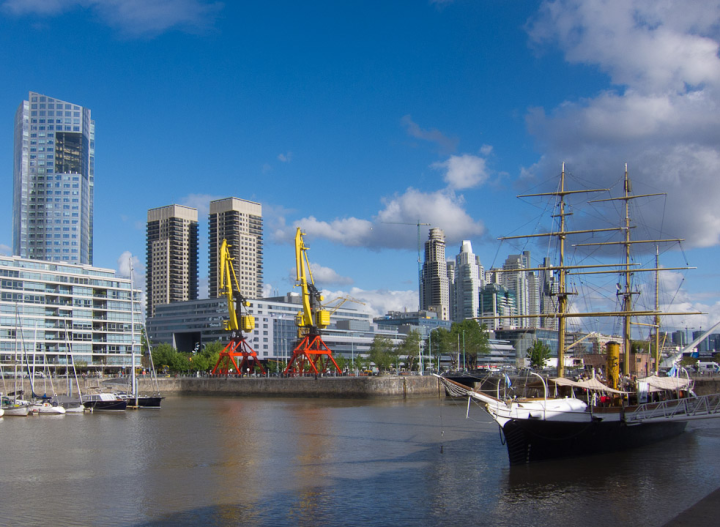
(346,117)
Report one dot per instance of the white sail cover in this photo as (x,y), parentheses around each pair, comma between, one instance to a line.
(589,384)
(659,384)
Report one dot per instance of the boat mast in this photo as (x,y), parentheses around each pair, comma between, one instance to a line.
(132,333)
(627,294)
(562,294)
(657,309)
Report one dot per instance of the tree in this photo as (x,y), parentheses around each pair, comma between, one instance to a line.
(410,348)
(381,352)
(441,342)
(473,340)
(538,354)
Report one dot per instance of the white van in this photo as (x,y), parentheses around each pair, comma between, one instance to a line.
(707,367)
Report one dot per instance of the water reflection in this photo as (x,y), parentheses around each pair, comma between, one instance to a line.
(215,461)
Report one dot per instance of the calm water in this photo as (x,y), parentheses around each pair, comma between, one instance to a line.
(215,461)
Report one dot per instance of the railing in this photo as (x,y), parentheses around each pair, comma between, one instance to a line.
(690,408)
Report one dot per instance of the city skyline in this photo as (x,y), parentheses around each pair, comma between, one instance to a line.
(369,121)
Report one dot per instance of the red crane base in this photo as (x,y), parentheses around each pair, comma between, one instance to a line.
(237,348)
(311,356)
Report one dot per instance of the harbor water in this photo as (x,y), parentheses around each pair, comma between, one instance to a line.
(269,461)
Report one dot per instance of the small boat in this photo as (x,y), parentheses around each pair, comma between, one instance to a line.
(104,402)
(142,401)
(48,408)
(14,408)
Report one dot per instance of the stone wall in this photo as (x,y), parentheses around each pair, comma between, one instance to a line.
(331,387)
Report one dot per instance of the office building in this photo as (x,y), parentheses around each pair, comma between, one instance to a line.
(172,256)
(53,181)
(434,287)
(525,286)
(468,280)
(188,326)
(55,314)
(499,305)
(239,222)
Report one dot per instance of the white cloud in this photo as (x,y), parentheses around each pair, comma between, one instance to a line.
(392,227)
(378,301)
(464,171)
(201,202)
(134,18)
(324,276)
(285,158)
(664,118)
(124,262)
(445,143)
(5,250)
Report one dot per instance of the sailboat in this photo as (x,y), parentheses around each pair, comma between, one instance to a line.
(560,425)
(11,405)
(134,398)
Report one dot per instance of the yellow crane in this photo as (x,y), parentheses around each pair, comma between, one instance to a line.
(238,322)
(311,355)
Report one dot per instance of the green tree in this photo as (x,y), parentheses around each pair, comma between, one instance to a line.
(410,348)
(538,354)
(381,352)
(341,361)
(164,356)
(473,339)
(442,343)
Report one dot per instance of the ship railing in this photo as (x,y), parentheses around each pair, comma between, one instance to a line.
(690,408)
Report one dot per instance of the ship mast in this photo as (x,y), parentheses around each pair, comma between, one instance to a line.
(626,291)
(561,234)
(627,268)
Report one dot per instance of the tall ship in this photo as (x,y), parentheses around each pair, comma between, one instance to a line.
(620,410)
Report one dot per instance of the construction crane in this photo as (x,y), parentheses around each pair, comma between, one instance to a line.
(311,355)
(238,322)
(331,306)
(419,261)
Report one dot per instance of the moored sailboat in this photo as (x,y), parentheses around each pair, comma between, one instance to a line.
(610,418)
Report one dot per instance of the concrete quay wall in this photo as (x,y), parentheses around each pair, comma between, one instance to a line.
(707,386)
(327,387)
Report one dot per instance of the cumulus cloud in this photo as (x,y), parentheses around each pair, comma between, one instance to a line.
(285,158)
(128,262)
(462,172)
(392,228)
(444,143)
(323,276)
(662,118)
(134,18)
(378,301)
(201,202)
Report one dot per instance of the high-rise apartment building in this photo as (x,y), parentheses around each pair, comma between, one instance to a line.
(435,290)
(172,256)
(498,301)
(53,180)
(525,286)
(239,222)
(467,284)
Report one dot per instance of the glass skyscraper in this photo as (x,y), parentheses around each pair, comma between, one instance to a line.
(53,180)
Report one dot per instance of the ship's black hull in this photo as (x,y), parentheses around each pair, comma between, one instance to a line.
(532,440)
(146,401)
(106,406)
